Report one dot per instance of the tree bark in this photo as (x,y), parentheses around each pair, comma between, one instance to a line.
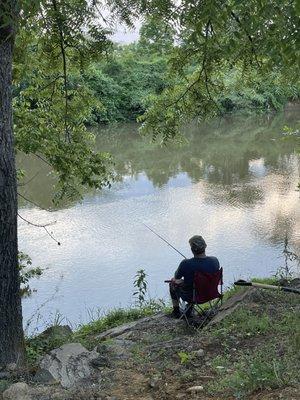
(11,331)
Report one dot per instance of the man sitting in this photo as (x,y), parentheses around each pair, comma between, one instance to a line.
(181,286)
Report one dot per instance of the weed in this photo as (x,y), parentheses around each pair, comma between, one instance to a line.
(138,354)
(27,272)
(38,346)
(286,272)
(187,376)
(140,283)
(185,357)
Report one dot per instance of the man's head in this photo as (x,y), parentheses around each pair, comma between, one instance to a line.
(197,244)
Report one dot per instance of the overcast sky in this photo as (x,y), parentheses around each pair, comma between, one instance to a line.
(123,35)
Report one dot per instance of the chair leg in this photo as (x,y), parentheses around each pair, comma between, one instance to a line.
(207,315)
(186,313)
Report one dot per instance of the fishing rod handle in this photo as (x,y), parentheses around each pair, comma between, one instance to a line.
(241,282)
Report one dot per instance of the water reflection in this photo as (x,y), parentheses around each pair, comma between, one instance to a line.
(229,152)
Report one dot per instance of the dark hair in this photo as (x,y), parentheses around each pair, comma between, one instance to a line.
(196,250)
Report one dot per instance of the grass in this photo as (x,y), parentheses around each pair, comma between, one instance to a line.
(38,346)
(270,362)
(245,323)
(116,318)
(262,369)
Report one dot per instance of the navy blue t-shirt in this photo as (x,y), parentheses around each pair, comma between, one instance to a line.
(188,267)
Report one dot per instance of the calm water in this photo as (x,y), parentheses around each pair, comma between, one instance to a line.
(234,182)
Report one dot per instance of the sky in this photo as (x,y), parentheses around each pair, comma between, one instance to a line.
(124,36)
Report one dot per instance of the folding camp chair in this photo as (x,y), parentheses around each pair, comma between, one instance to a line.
(207,298)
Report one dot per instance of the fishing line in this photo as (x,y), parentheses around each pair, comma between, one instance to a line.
(162,238)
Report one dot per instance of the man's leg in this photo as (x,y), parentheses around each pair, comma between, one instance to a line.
(175,295)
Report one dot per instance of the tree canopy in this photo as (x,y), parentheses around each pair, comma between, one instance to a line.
(217,36)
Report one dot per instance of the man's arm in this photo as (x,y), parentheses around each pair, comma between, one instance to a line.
(178,274)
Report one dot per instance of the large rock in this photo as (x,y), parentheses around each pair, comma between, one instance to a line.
(115,349)
(66,365)
(56,332)
(17,391)
(229,306)
(119,330)
(140,324)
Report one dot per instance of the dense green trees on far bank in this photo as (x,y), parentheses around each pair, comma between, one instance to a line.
(125,83)
(125,80)
(136,74)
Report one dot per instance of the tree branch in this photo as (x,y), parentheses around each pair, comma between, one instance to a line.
(36,225)
(237,19)
(44,226)
(64,58)
(30,180)
(43,159)
(32,202)
(51,83)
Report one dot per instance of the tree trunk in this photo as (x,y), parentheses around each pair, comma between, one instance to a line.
(11,331)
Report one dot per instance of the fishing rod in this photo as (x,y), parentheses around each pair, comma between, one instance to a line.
(265,286)
(169,244)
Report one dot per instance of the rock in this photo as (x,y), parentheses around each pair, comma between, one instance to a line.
(119,330)
(101,361)
(5,375)
(199,353)
(195,389)
(116,349)
(154,381)
(11,367)
(295,283)
(67,365)
(229,306)
(56,332)
(59,396)
(17,391)
(45,376)
(180,396)
(139,324)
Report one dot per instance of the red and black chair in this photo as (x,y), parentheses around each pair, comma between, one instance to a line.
(207,298)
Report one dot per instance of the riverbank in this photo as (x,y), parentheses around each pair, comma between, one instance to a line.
(250,351)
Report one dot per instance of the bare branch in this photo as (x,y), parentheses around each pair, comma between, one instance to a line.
(30,180)
(44,226)
(43,159)
(37,225)
(32,202)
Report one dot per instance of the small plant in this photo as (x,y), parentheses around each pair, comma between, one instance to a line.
(27,272)
(184,357)
(141,284)
(285,272)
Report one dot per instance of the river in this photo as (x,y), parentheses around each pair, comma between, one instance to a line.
(234,181)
